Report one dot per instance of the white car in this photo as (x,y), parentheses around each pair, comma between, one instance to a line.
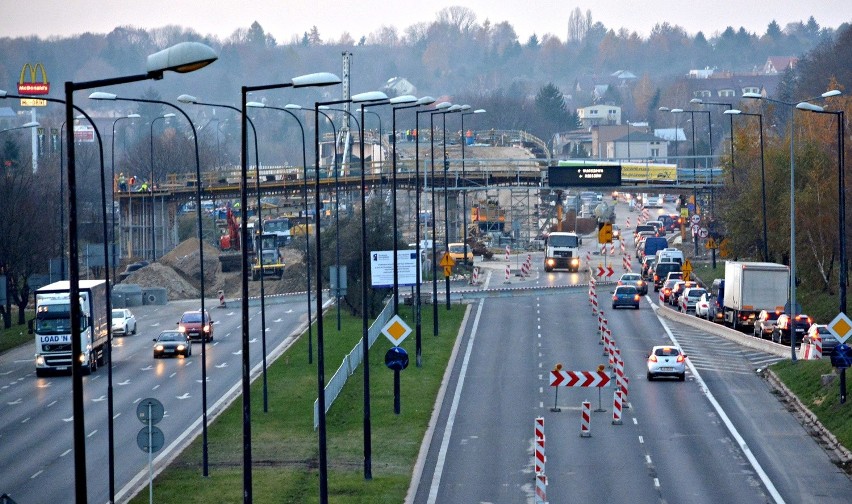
(666,361)
(123,322)
(689,298)
(702,307)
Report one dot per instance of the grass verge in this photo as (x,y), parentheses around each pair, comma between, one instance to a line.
(804,379)
(16,335)
(285,445)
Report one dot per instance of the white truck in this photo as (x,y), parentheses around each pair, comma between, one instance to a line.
(52,326)
(562,250)
(751,287)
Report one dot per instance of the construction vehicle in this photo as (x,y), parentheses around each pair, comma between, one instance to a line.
(268,261)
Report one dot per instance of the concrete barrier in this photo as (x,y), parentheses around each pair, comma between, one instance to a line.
(729,334)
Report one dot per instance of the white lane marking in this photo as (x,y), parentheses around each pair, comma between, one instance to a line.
(184,396)
(66,452)
(116,415)
(34,476)
(222,365)
(25,420)
(100,399)
(172,375)
(92,433)
(635,421)
(125,382)
(16,401)
(155,387)
(770,487)
(451,418)
(51,404)
(657,483)
(648,459)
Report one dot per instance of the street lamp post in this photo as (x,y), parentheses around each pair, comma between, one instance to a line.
(443,107)
(793,304)
(464,182)
(694,169)
(454,108)
(151,188)
(732,113)
(728,106)
(112,152)
(841,189)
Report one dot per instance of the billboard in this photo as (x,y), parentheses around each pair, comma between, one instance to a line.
(652,172)
(29,83)
(567,174)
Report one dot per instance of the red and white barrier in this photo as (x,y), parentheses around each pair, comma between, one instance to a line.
(539,457)
(588,257)
(808,351)
(586,420)
(525,269)
(628,223)
(616,407)
(508,250)
(627,263)
(222,299)
(603,248)
(624,383)
(611,248)
(817,350)
(619,364)
(508,273)
(540,489)
(539,428)
(474,277)
(623,249)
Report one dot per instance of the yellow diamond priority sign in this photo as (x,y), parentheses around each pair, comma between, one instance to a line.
(841,327)
(396,330)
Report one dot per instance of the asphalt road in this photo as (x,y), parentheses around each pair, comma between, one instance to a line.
(36,442)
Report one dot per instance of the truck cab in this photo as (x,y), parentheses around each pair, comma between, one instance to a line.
(562,250)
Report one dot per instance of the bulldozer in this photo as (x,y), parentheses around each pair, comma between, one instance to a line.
(268,260)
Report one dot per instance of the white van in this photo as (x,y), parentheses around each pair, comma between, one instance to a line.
(669,254)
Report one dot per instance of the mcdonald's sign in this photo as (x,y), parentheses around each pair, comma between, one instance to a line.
(33,87)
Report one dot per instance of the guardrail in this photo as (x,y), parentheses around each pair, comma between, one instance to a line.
(351,362)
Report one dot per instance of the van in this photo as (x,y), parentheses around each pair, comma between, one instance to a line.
(659,227)
(653,244)
(670,254)
(662,270)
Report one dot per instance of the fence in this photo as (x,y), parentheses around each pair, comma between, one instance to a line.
(351,362)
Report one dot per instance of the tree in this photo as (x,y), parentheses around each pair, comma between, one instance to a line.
(550,111)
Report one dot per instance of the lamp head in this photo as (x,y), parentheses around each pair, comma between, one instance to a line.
(426,100)
(833,92)
(31,124)
(465,107)
(2,93)
(168,116)
(443,105)
(398,100)
(479,111)
(181,58)
(664,109)
(100,95)
(369,96)
(676,111)
(315,80)
(733,112)
(133,116)
(293,106)
(185,98)
(696,100)
(255,104)
(809,107)
(756,96)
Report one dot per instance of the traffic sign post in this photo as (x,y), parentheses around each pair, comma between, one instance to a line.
(150,439)
(687,269)
(841,328)
(396,359)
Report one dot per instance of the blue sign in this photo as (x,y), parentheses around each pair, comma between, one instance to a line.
(396,358)
(842,356)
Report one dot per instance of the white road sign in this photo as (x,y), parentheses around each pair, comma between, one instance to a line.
(381,267)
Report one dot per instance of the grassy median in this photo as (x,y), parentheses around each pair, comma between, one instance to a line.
(284,443)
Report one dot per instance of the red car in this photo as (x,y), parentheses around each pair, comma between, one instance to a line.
(190,323)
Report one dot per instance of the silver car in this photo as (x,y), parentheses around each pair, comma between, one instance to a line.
(666,360)
(123,322)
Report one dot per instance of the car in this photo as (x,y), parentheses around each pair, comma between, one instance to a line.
(625,295)
(648,268)
(616,232)
(457,252)
(172,343)
(677,290)
(765,323)
(641,234)
(662,270)
(703,305)
(690,297)
(659,227)
(123,322)
(190,323)
(666,290)
(821,332)
(781,332)
(634,279)
(666,360)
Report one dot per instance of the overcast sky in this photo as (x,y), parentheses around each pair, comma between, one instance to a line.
(287,18)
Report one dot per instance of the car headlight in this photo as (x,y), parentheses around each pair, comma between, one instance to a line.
(575,262)
(181,329)
(39,360)
(181,348)
(158,348)
(551,262)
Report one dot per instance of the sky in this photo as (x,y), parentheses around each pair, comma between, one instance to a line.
(285,19)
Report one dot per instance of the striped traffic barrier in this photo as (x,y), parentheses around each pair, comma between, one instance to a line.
(623,248)
(616,407)
(586,419)
(624,382)
(222,299)
(508,250)
(588,257)
(539,428)
(603,248)
(540,489)
(628,223)
(539,457)
(627,263)
(817,350)
(619,364)
(508,273)
(611,248)
(474,277)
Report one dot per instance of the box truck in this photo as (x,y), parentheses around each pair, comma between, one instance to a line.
(52,326)
(562,250)
(751,287)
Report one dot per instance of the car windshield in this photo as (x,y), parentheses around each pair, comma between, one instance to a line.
(191,318)
(117,314)
(696,293)
(171,336)
(457,248)
(626,291)
(666,352)
(563,240)
(630,277)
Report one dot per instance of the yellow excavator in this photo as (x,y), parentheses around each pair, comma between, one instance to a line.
(268,260)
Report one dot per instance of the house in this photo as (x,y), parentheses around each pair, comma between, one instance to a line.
(614,142)
(779,64)
(596,115)
(399,86)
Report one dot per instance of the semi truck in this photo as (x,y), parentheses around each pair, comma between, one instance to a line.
(751,287)
(52,326)
(562,250)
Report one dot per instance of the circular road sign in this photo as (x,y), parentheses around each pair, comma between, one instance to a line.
(695,219)
(156,436)
(703,232)
(695,229)
(396,358)
(156,408)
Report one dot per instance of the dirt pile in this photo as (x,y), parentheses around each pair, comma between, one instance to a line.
(160,275)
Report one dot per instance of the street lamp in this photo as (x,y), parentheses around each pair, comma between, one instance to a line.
(694,156)
(728,106)
(453,108)
(442,109)
(151,188)
(112,151)
(417,317)
(100,95)
(676,136)
(464,182)
(841,189)
(793,304)
(628,140)
(367,97)
(31,124)
(287,108)
(403,102)
(732,113)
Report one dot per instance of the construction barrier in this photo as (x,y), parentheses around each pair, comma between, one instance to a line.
(525,269)
(611,248)
(624,383)
(539,428)
(627,263)
(588,257)
(508,273)
(539,458)
(808,351)
(474,277)
(619,365)
(508,250)
(616,407)
(540,489)
(586,419)
(222,299)
(817,350)
(623,248)
(628,223)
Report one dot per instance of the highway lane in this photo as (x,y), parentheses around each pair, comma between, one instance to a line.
(36,421)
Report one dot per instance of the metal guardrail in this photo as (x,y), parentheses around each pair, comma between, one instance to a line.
(351,362)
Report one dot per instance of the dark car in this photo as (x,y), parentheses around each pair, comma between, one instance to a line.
(647,272)
(634,279)
(625,295)
(172,343)
(661,271)
(190,323)
(781,332)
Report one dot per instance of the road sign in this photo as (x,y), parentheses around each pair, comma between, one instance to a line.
(607,272)
(559,378)
(695,229)
(605,232)
(841,327)
(156,437)
(396,358)
(711,244)
(156,409)
(703,232)
(695,219)
(842,356)
(687,269)
(584,176)
(396,330)
(447,260)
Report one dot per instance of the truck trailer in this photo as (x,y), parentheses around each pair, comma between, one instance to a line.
(52,326)
(751,287)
